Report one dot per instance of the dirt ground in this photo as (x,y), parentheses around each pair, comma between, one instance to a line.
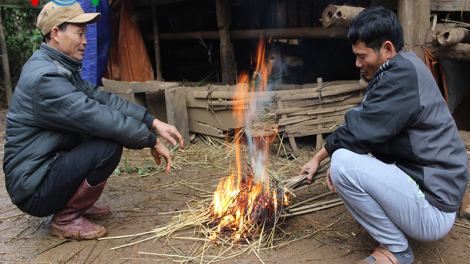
(137,200)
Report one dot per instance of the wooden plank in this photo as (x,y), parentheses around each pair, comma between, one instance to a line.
(222,119)
(201,128)
(298,94)
(116,86)
(137,87)
(309,132)
(318,111)
(450,5)
(436,5)
(337,119)
(291,138)
(292,120)
(176,112)
(325,105)
(152,86)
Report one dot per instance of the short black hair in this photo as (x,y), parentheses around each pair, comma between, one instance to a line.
(374,26)
(61,27)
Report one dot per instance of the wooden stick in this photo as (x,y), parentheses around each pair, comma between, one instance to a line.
(310,199)
(312,210)
(314,205)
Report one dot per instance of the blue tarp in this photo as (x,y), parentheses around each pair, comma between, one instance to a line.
(98,36)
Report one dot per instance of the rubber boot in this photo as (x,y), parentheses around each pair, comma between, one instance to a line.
(96,211)
(69,222)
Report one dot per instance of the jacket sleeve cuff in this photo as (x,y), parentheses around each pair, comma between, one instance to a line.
(152,140)
(329,146)
(148,120)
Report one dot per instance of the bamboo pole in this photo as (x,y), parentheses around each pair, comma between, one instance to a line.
(310,199)
(5,63)
(328,18)
(345,15)
(312,210)
(453,36)
(314,205)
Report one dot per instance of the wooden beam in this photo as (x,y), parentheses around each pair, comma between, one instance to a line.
(315,32)
(154,2)
(5,63)
(450,5)
(226,47)
(176,112)
(204,129)
(459,51)
(156,42)
(414,17)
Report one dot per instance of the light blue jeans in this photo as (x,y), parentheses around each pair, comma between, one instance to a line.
(386,201)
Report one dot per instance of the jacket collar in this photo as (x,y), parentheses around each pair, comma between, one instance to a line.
(66,61)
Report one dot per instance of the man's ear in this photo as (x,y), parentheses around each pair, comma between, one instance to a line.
(55,34)
(389,49)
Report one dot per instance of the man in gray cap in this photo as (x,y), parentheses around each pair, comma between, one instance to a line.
(64,135)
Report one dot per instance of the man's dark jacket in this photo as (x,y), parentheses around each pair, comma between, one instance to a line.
(52,109)
(404,119)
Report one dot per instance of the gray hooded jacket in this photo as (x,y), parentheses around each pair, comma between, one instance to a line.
(404,119)
(52,109)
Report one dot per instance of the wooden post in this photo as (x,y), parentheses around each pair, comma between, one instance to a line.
(156,41)
(414,16)
(319,144)
(6,65)
(176,112)
(226,48)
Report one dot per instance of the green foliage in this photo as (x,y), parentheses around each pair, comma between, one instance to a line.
(22,37)
(126,166)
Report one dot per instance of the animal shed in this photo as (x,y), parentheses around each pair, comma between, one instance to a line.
(208,43)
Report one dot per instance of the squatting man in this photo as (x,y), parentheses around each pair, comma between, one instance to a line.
(65,136)
(418,175)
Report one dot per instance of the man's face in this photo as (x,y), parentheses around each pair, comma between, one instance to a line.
(367,60)
(72,41)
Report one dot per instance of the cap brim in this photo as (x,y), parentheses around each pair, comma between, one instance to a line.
(87,18)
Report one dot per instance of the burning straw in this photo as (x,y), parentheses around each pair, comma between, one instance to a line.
(248,205)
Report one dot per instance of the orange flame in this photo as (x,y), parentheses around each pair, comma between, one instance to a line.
(241,199)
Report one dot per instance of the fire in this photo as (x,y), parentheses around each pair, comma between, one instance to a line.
(247,198)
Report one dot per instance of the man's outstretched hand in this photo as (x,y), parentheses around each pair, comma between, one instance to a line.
(311,168)
(165,130)
(160,149)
